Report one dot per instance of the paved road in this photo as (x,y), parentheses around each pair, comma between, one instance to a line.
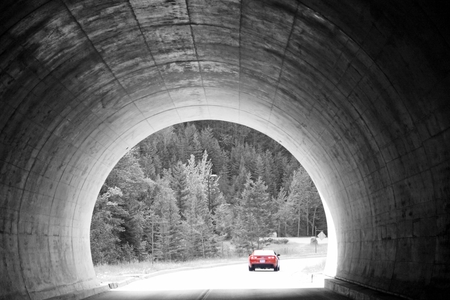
(229,282)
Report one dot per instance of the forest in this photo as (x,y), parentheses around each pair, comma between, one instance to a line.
(183,191)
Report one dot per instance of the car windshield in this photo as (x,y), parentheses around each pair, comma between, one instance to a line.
(263,252)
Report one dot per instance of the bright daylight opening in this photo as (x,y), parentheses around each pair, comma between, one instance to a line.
(194,200)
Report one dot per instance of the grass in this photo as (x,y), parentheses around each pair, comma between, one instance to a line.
(298,247)
(315,268)
(295,248)
(123,271)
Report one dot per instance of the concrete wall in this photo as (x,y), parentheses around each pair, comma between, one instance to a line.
(358,91)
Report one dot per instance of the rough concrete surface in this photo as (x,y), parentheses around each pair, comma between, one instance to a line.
(358,91)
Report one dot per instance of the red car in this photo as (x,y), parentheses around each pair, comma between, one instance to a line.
(264,259)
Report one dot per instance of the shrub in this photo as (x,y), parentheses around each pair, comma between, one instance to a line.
(280,241)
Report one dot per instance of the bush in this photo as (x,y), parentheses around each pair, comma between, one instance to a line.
(280,241)
(269,241)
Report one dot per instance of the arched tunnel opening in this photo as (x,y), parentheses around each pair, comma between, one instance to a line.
(357,91)
(209,193)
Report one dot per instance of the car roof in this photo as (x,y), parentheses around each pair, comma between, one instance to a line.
(263,252)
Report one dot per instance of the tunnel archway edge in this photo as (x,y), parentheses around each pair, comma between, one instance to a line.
(357,92)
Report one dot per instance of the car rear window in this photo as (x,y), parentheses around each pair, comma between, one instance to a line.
(263,252)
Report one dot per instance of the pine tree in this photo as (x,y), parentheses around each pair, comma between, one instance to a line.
(194,145)
(283,215)
(304,199)
(198,225)
(255,212)
(211,145)
(223,219)
(166,223)
(239,182)
(180,188)
(105,226)
(260,168)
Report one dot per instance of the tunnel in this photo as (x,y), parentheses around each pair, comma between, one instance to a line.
(357,91)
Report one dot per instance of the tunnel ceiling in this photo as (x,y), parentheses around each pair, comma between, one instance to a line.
(356,90)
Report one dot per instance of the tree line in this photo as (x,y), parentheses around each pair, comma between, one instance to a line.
(183,190)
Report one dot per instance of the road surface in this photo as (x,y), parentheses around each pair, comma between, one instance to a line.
(230,282)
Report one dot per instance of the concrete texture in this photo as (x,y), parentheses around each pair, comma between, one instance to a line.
(355,291)
(358,91)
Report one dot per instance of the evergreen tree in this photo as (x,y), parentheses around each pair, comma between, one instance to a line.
(180,188)
(166,223)
(305,201)
(129,177)
(194,145)
(270,175)
(105,226)
(211,145)
(283,216)
(255,212)
(260,168)
(223,219)
(238,182)
(198,224)
(224,184)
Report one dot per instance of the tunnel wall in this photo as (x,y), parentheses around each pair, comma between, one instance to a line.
(356,90)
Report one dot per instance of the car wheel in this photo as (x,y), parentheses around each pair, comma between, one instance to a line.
(276,269)
(251,269)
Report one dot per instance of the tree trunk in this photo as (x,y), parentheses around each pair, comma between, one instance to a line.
(314,220)
(279,229)
(153,243)
(203,246)
(307,220)
(299,217)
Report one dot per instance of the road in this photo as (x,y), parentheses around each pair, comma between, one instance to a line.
(229,282)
